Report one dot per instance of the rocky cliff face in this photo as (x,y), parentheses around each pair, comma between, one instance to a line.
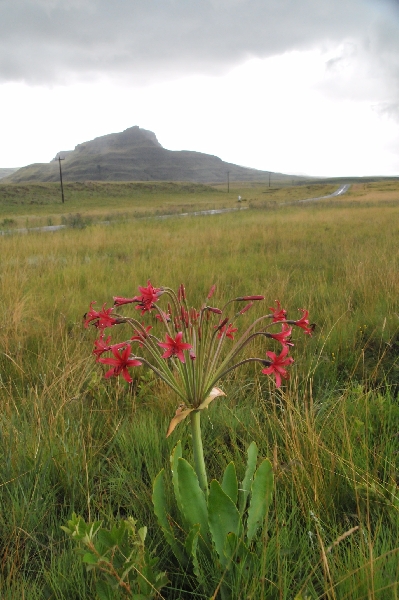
(135,155)
(130,139)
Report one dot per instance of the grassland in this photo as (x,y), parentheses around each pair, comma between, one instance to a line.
(72,441)
(32,205)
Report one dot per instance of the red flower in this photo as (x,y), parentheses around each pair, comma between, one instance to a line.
(163,315)
(149,295)
(101,345)
(278,364)
(303,322)
(221,324)
(174,347)
(103,317)
(284,336)
(279,314)
(140,336)
(229,331)
(120,363)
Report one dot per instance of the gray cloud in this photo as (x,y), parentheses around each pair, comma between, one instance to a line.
(54,41)
(389,109)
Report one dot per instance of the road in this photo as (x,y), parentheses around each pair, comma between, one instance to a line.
(339,192)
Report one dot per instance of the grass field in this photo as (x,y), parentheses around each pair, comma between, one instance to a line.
(73,441)
(32,205)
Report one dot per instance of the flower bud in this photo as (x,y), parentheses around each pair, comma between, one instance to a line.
(212,309)
(181,294)
(211,291)
(248,298)
(246,307)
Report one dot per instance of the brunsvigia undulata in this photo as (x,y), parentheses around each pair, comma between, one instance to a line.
(190,348)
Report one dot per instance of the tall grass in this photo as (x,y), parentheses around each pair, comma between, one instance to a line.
(71,441)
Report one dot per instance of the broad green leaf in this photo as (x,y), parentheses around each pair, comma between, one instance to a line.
(174,457)
(119,533)
(106,538)
(246,484)
(90,559)
(223,518)
(159,502)
(261,497)
(192,497)
(230,483)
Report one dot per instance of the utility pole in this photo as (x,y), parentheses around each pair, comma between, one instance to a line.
(62,187)
(269,178)
(228,181)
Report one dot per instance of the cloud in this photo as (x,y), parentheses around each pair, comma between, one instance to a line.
(53,41)
(388,109)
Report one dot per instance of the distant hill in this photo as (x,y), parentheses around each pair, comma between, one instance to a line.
(7,172)
(136,155)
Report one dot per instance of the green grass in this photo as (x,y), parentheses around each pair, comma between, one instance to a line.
(72,441)
(35,204)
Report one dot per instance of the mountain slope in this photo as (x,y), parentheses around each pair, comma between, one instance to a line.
(6,172)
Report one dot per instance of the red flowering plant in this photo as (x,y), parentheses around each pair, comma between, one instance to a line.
(198,347)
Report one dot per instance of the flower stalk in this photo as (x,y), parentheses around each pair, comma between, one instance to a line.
(198,450)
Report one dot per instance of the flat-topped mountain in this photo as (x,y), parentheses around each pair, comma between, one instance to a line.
(135,155)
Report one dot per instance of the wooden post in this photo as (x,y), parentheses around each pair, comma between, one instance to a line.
(62,187)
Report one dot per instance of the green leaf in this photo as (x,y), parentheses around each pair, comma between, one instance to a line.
(174,457)
(223,518)
(90,559)
(159,502)
(261,497)
(238,554)
(230,483)
(192,497)
(104,590)
(142,533)
(191,547)
(190,539)
(246,484)
(106,538)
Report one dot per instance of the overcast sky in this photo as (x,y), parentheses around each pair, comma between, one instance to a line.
(296,86)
